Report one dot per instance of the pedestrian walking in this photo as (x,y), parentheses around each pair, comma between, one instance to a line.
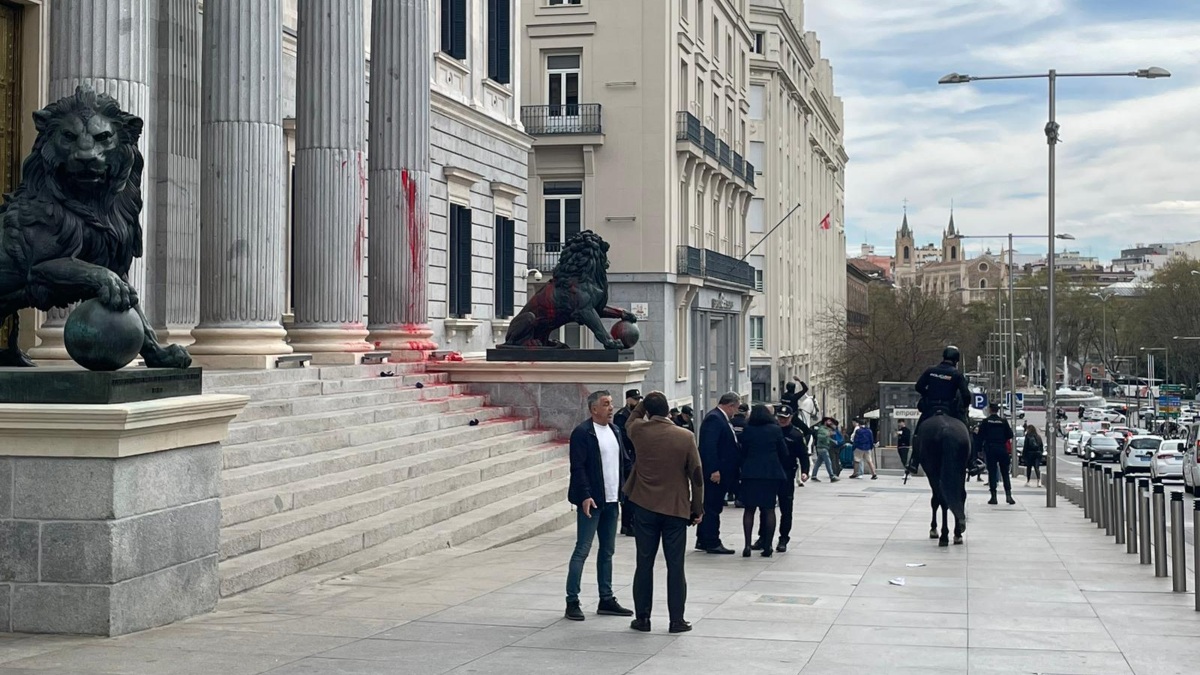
(666,490)
(795,464)
(1031,452)
(719,457)
(864,446)
(995,437)
(904,442)
(763,454)
(595,485)
(824,445)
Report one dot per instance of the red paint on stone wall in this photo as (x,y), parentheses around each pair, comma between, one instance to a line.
(416,220)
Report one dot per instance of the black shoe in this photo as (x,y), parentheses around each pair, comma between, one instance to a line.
(756,546)
(613,608)
(834,479)
(815,479)
(680,627)
(875,477)
(574,613)
(782,547)
(766,553)
(993,499)
(746,552)
(642,625)
(627,531)
(1009,499)
(719,550)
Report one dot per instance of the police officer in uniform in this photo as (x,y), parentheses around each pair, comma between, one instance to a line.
(994,435)
(795,435)
(942,388)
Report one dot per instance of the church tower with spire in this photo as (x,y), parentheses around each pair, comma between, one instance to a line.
(906,251)
(951,244)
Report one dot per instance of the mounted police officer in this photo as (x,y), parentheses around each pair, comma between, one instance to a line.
(995,437)
(943,389)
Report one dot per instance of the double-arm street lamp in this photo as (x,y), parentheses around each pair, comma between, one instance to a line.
(1052,139)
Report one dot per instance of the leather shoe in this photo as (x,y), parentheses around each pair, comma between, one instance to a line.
(613,608)
(782,547)
(720,550)
(756,546)
(680,627)
(642,625)
(573,612)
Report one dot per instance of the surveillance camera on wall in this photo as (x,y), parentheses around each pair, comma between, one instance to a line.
(537,276)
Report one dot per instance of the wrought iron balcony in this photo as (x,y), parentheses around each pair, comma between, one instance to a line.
(710,142)
(688,127)
(559,119)
(739,164)
(725,155)
(698,262)
(543,257)
(749,173)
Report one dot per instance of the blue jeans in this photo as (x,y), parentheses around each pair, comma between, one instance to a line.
(823,459)
(603,523)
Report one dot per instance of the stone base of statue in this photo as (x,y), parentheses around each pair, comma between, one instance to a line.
(109,513)
(72,384)
(552,393)
(550,355)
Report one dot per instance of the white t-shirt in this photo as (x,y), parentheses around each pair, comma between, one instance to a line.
(610,459)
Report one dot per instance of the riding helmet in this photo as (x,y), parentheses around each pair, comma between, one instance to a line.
(951,354)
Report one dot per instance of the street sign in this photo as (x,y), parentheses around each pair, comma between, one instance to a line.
(1008,395)
(1170,388)
(1169,405)
(979,401)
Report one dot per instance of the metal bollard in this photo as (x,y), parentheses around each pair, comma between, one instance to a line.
(1087,492)
(1144,521)
(1106,501)
(1119,523)
(1097,499)
(1196,547)
(1131,515)
(1178,549)
(1159,516)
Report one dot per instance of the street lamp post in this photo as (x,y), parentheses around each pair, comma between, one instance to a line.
(1052,139)
(1104,298)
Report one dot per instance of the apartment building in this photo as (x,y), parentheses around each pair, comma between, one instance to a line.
(639,113)
(795,143)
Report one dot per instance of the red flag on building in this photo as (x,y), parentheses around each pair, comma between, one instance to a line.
(825,221)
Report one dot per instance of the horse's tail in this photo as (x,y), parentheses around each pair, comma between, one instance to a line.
(955,449)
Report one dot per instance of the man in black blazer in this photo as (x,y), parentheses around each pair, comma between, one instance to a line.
(719,457)
(595,488)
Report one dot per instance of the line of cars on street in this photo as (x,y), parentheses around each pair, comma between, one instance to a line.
(1137,450)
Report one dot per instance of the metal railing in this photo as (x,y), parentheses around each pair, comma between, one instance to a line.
(698,262)
(725,155)
(749,173)
(739,164)
(688,127)
(543,257)
(558,119)
(690,261)
(710,142)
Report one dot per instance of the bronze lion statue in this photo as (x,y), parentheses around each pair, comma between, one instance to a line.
(577,292)
(71,230)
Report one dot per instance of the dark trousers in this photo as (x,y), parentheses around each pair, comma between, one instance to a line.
(904,452)
(649,529)
(787,500)
(627,509)
(999,464)
(708,532)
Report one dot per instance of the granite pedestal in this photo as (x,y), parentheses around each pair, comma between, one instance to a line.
(109,517)
(552,393)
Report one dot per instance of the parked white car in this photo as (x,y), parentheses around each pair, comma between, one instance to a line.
(1168,461)
(1139,453)
(1191,470)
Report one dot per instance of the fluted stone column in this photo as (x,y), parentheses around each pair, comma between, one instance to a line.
(102,44)
(331,172)
(398,143)
(173,226)
(241,187)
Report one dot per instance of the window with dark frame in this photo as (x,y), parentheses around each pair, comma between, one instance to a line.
(561,3)
(454,28)
(505,260)
(459,276)
(760,42)
(563,214)
(499,35)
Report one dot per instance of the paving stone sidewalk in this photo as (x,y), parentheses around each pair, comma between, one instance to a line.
(1033,591)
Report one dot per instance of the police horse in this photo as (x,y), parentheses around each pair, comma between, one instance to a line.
(943,445)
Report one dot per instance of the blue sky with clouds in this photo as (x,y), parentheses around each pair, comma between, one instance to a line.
(1129,163)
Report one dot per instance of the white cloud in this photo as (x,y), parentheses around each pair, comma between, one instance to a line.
(1127,161)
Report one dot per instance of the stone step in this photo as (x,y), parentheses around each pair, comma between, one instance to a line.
(304,404)
(264,489)
(430,478)
(236,456)
(551,518)
(221,380)
(318,387)
(316,422)
(436,522)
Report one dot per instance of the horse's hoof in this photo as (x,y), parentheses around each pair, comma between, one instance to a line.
(958,541)
(933,534)
(943,542)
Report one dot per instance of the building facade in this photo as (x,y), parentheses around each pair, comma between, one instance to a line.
(947,271)
(277,218)
(639,111)
(795,143)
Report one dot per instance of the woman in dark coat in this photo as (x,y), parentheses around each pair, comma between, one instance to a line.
(762,454)
(1032,454)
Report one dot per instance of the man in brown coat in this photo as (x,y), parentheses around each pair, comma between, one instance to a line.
(666,490)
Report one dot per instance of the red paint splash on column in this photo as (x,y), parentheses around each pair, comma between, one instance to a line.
(361,234)
(415,222)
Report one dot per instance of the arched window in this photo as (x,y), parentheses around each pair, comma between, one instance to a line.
(906,253)
(954,253)
(983,283)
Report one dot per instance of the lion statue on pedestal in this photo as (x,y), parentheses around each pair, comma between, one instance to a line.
(71,230)
(578,292)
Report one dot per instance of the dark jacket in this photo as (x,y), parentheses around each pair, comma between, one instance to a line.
(718,446)
(797,446)
(993,434)
(1033,447)
(587,469)
(628,452)
(764,453)
(945,386)
(904,438)
(792,397)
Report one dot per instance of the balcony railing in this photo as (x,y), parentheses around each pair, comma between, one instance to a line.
(688,127)
(559,119)
(543,257)
(725,155)
(710,142)
(749,173)
(739,164)
(712,265)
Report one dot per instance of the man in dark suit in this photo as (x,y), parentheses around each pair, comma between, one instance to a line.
(628,455)
(595,488)
(719,457)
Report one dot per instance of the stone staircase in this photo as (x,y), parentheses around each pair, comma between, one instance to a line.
(338,469)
